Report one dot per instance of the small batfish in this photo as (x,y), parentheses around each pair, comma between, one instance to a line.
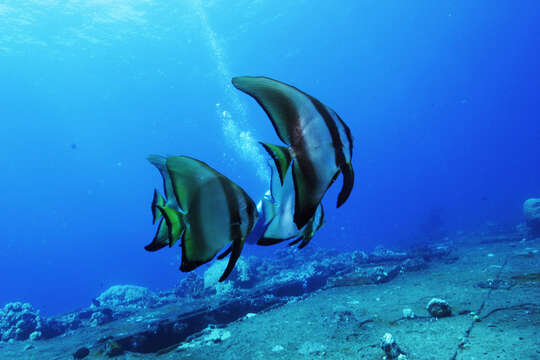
(277,207)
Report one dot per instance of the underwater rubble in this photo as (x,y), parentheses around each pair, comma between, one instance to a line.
(200,311)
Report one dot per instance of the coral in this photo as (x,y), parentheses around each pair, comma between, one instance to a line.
(243,275)
(190,286)
(18,321)
(128,296)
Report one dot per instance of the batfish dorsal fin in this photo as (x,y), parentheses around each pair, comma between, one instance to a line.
(160,163)
(281,156)
(280,101)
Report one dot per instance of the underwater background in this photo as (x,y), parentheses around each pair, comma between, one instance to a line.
(441,97)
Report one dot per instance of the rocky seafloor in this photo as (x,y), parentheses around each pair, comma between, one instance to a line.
(472,296)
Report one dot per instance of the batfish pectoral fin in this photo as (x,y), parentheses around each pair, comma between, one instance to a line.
(236,250)
(312,227)
(175,223)
(157,200)
(161,239)
(281,156)
(348,182)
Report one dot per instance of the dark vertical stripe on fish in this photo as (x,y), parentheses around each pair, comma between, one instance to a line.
(235,232)
(250,207)
(332,128)
(347,132)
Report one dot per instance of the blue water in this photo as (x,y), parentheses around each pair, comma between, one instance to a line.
(441,97)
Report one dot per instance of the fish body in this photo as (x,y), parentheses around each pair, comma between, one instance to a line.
(208,212)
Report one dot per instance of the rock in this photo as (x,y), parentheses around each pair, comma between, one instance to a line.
(384,255)
(531,213)
(51,328)
(210,335)
(439,308)
(112,349)
(36,335)
(243,275)
(312,348)
(495,284)
(191,286)
(408,313)
(431,252)
(359,257)
(81,353)
(414,264)
(128,296)
(101,317)
(391,348)
(366,276)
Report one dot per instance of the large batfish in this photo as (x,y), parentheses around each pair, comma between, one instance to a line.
(319,143)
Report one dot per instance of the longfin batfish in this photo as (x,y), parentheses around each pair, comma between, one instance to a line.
(212,212)
(319,143)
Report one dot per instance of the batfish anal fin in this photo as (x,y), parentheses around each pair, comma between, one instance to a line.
(236,249)
(281,156)
(348,182)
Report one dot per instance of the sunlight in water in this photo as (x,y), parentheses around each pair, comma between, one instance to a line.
(233,120)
